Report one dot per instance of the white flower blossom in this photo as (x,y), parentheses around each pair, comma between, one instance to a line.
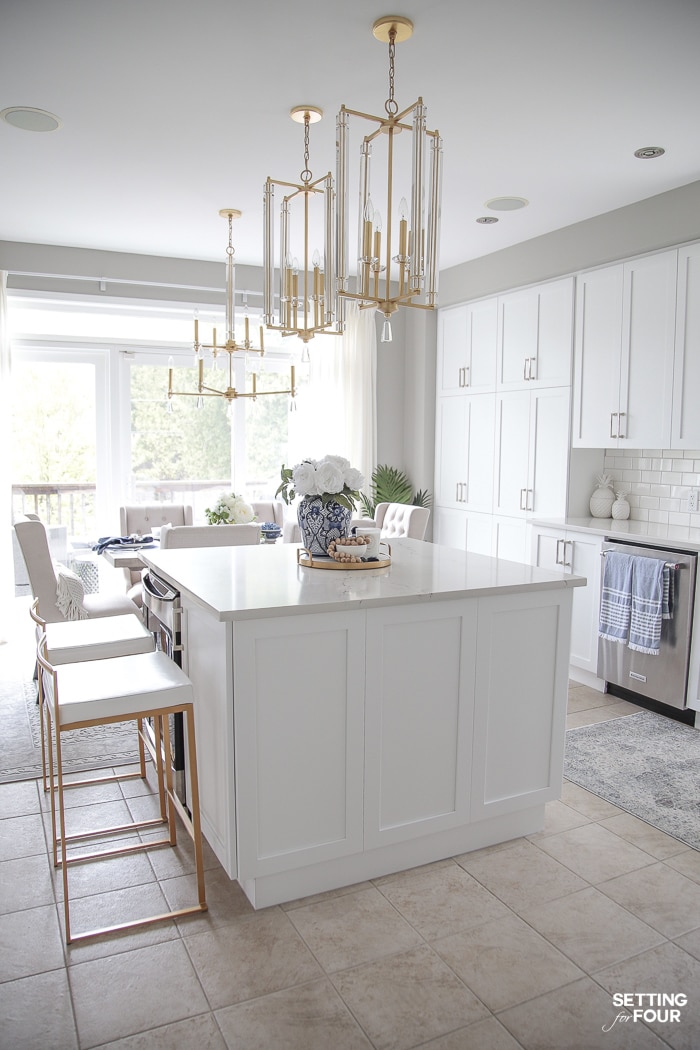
(304,479)
(329,477)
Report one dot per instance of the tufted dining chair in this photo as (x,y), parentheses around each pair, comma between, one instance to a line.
(269,510)
(401,519)
(44,579)
(142,518)
(208,535)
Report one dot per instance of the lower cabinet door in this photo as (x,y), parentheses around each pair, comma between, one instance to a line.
(299,718)
(520,706)
(418,715)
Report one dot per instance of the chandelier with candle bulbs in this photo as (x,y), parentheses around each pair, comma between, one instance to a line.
(306,299)
(396,250)
(230,347)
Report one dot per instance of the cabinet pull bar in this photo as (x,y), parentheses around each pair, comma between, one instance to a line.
(467,377)
(558,560)
(620,427)
(526,364)
(612,416)
(522,499)
(571,542)
(533,370)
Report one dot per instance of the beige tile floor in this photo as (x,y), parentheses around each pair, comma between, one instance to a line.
(519,945)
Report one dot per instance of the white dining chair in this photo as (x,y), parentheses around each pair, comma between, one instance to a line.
(44,579)
(208,535)
(142,518)
(401,519)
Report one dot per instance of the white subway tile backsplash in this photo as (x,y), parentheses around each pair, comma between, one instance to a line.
(679,519)
(658,482)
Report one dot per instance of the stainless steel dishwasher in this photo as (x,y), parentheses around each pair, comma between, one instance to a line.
(663,678)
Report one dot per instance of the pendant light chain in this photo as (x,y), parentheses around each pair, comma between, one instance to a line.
(306,173)
(230,251)
(391,106)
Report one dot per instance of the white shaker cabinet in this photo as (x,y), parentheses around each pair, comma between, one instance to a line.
(623,358)
(463,529)
(578,553)
(685,424)
(532,452)
(464,452)
(467,336)
(534,336)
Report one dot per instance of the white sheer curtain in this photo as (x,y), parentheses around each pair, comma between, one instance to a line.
(341,402)
(7,589)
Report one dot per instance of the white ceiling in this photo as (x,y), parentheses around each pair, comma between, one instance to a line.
(173,109)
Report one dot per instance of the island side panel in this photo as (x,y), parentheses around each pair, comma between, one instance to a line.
(299,730)
(419,719)
(521,699)
(207,659)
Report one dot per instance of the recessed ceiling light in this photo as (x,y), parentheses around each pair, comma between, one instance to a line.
(486,220)
(506,203)
(30,119)
(649,152)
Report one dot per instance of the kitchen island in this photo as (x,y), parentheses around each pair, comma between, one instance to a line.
(356,723)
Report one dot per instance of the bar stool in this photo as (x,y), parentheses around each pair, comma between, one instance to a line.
(72,641)
(116,689)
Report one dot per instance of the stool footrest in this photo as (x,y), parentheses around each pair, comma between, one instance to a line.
(133,847)
(138,922)
(97,833)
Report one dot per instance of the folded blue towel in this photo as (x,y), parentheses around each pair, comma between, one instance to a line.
(616,597)
(647,605)
(669,591)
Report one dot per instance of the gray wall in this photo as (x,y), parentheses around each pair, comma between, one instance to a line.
(657,222)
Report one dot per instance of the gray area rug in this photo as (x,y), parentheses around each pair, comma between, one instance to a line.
(20,740)
(646,764)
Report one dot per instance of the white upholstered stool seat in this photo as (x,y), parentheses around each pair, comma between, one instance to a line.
(73,641)
(97,692)
(119,688)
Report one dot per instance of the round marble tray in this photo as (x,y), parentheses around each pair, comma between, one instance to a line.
(309,561)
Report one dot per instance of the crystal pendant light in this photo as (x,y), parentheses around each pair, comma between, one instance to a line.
(397,259)
(230,347)
(306,299)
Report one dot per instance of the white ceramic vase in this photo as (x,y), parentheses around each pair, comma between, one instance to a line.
(601,502)
(621,508)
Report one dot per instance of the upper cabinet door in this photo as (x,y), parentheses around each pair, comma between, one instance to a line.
(467,346)
(555,328)
(535,336)
(482,340)
(685,422)
(646,369)
(598,343)
(517,338)
(453,356)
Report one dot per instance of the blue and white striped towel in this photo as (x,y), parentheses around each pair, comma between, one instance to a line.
(616,597)
(647,605)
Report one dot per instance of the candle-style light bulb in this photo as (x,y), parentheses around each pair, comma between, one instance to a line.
(387,335)
(403,227)
(316,258)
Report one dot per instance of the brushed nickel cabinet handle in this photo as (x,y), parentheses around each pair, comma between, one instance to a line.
(612,416)
(623,415)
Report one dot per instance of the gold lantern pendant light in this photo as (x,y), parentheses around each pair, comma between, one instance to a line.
(306,293)
(230,347)
(397,256)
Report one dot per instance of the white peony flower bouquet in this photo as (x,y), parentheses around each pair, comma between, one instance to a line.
(331,478)
(230,509)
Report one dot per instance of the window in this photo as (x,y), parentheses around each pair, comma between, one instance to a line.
(139,451)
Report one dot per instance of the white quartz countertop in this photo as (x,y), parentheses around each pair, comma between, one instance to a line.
(249,582)
(637,531)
